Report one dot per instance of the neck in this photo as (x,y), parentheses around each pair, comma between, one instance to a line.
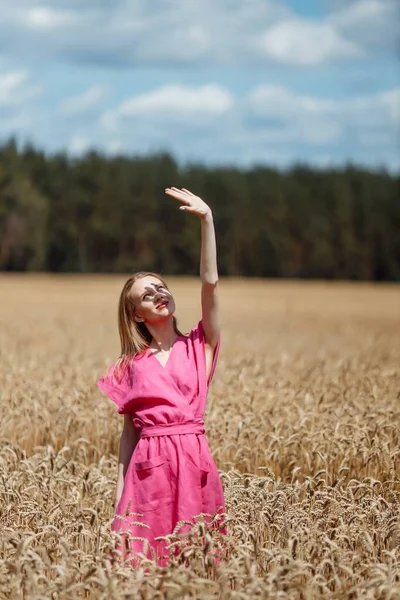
(163,334)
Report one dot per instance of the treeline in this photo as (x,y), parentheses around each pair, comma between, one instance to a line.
(102,214)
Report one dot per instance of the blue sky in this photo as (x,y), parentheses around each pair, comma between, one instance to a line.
(216,81)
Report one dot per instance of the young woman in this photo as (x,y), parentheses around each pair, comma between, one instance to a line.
(160,382)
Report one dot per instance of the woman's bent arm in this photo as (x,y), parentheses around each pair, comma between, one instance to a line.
(128,441)
(208,261)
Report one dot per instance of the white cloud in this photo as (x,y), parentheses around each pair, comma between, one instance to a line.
(319,121)
(173,103)
(78,144)
(360,13)
(323,161)
(83,102)
(372,22)
(115,147)
(277,101)
(306,43)
(269,124)
(16,93)
(17,123)
(9,82)
(181,32)
(376,139)
(302,117)
(390,101)
(138,32)
(16,88)
(175,100)
(374,111)
(46,19)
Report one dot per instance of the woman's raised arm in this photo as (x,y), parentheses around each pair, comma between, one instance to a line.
(208,261)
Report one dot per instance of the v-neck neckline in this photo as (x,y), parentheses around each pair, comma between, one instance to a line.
(170,354)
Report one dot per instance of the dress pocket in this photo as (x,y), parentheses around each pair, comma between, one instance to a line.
(153,483)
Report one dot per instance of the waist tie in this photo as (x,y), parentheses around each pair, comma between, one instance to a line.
(196,426)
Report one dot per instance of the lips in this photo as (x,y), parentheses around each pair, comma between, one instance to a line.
(164,303)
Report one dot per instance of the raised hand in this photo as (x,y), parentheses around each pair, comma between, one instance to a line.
(190,202)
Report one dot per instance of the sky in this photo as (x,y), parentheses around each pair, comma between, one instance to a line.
(220,82)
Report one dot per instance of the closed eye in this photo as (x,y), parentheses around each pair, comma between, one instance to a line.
(158,287)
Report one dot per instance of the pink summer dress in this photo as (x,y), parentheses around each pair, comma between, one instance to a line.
(171,475)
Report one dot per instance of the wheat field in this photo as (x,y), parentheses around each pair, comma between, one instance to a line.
(303,420)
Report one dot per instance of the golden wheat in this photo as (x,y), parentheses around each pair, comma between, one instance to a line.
(303,420)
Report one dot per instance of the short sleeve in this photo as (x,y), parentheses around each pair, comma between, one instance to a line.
(119,390)
(199,341)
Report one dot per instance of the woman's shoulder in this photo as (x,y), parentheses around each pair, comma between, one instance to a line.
(196,336)
(122,369)
(197,333)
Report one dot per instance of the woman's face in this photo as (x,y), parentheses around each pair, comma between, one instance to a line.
(153,301)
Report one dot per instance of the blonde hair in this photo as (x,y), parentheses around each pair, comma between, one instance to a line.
(135,337)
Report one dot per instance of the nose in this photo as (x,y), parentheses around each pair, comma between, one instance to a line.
(159,297)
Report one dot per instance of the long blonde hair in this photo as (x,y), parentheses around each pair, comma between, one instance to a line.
(135,337)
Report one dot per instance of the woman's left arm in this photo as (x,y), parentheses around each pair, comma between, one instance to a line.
(208,262)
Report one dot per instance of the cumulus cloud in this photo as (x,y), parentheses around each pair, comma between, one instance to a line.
(306,43)
(322,121)
(230,31)
(78,144)
(374,23)
(115,147)
(84,102)
(16,88)
(17,91)
(136,31)
(177,101)
(173,104)
(271,123)
(46,19)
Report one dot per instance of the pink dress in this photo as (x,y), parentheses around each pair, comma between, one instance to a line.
(171,475)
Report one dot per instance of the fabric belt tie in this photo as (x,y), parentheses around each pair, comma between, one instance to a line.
(173,429)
